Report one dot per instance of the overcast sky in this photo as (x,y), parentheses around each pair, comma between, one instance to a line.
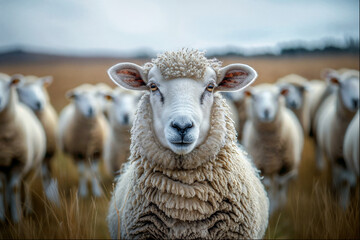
(117,26)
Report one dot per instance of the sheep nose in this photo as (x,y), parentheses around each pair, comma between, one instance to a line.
(126,118)
(355,102)
(91,111)
(182,127)
(266,113)
(38,105)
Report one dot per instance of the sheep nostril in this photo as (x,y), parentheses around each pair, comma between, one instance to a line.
(38,105)
(355,102)
(126,119)
(266,113)
(182,127)
(90,112)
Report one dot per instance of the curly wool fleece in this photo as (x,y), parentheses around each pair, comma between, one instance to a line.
(186,63)
(213,192)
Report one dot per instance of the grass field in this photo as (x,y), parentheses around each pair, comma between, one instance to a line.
(311,211)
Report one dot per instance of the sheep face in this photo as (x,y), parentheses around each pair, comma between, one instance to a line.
(32,93)
(294,99)
(85,101)
(182,106)
(266,101)
(123,107)
(6,83)
(349,90)
(181,109)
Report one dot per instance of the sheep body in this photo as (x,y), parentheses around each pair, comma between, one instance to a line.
(82,136)
(332,120)
(22,149)
(276,148)
(212,192)
(351,145)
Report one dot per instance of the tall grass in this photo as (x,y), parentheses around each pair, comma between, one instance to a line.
(311,211)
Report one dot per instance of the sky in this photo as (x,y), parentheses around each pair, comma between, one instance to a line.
(113,27)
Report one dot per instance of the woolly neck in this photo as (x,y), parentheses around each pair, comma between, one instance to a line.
(145,145)
(8,113)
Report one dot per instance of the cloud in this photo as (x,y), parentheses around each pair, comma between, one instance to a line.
(123,26)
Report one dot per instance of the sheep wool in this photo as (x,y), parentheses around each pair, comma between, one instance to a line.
(183,64)
(213,192)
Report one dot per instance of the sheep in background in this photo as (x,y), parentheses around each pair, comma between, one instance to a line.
(103,89)
(186,176)
(332,119)
(234,111)
(121,116)
(22,148)
(351,145)
(32,92)
(274,138)
(82,132)
(239,107)
(297,98)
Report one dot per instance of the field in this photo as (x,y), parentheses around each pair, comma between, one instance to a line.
(311,211)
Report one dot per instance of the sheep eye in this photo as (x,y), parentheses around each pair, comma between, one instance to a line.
(210,87)
(153,87)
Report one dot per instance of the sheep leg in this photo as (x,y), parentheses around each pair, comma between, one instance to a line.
(50,185)
(96,189)
(83,189)
(343,180)
(14,188)
(2,197)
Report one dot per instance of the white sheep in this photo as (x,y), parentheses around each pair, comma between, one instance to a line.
(186,176)
(103,89)
(297,98)
(22,148)
(239,110)
(121,116)
(82,132)
(32,92)
(332,120)
(351,146)
(274,138)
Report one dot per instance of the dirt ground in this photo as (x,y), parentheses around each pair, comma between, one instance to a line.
(311,211)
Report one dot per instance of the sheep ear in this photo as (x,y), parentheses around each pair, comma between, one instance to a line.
(248,93)
(70,94)
(284,91)
(16,79)
(331,76)
(128,75)
(235,77)
(108,97)
(46,81)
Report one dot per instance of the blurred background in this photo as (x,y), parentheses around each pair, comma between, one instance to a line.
(77,41)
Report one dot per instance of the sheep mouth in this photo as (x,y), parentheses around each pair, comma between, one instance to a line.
(181,144)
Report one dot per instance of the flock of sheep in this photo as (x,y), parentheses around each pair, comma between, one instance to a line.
(183,174)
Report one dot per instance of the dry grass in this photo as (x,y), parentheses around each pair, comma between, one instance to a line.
(311,211)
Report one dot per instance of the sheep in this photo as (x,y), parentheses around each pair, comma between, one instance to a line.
(121,115)
(297,98)
(238,107)
(351,146)
(186,176)
(233,110)
(103,89)
(332,120)
(22,148)
(32,92)
(274,138)
(82,132)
